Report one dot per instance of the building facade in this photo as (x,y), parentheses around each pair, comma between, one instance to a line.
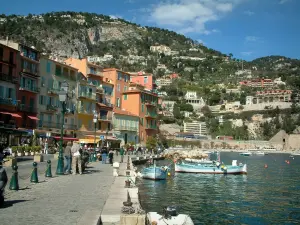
(144,79)
(195,127)
(126,126)
(271,96)
(144,104)
(192,98)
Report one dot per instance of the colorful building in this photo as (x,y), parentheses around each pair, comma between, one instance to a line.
(121,81)
(144,79)
(126,126)
(144,104)
(52,74)
(10,119)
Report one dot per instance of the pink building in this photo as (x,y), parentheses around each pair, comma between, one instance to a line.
(144,79)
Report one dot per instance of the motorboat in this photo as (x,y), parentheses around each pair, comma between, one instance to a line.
(199,160)
(246,153)
(259,153)
(169,216)
(213,168)
(154,172)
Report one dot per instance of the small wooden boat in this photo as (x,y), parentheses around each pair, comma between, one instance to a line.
(213,168)
(170,217)
(155,173)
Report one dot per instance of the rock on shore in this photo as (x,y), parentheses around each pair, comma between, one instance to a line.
(183,154)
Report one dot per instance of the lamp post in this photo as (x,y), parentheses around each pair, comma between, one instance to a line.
(63,95)
(95,120)
(106,137)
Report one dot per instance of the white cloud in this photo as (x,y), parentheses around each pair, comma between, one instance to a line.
(189,16)
(115,16)
(246,53)
(249,13)
(283,1)
(251,38)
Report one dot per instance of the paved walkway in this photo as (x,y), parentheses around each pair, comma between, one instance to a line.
(61,200)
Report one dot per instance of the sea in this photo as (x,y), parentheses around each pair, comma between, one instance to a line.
(268,194)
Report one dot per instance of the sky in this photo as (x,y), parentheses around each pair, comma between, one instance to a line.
(246,28)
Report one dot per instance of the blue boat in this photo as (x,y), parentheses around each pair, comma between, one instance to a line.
(155,173)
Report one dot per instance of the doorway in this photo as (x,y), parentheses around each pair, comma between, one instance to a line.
(125,138)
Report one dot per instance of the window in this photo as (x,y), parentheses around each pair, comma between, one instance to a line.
(119,76)
(118,102)
(49,118)
(142,107)
(145,80)
(118,87)
(48,67)
(125,96)
(142,121)
(125,88)
(11,57)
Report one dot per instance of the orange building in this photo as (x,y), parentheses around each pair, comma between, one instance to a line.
(145,79)
(143,103)
(121,81)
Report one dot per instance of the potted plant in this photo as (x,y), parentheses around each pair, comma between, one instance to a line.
(38,157)
(14,150)
(27,150)
(21,150)
(32,150)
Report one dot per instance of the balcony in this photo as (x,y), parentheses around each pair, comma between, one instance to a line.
(94,72)
(26,70)
(151,115)
(31,89)
(126,128)
(8,78)
(151,127)
(25,108)
(84,111)
(8,101)
(29,55)
(51,108)
(53,91)
(87,96)
(149,103)
(104,118)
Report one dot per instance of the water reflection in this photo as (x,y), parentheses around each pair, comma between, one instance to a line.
(264,196)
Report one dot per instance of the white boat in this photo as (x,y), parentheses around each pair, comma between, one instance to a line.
(169,217)
(246,153)
(259,153)
(214,168)
(198,160)
(295,153)
(269,149)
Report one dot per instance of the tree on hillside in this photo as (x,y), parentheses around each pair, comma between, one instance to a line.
(151,143)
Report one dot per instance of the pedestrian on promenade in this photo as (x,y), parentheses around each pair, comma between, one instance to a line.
(122,153)
(76,158)
(104,154)
(68,157)
(111,156)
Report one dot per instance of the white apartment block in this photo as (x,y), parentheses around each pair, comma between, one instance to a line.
(161,49)
(192,98)
(195,127)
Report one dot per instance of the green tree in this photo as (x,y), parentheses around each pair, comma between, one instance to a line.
(151,142)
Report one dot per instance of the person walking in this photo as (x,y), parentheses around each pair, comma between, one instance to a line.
(104,154)
(111,156)
(76,158)
(122,153)
(68,157)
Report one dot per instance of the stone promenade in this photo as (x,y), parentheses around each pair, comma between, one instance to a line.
(61,200)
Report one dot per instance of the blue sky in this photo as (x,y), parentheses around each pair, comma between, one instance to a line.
(246,28)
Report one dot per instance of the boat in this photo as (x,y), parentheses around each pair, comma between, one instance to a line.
(246,153)
(259,153)
(213,168)
(295,153)
(203,161)
(154,172)
(169,216)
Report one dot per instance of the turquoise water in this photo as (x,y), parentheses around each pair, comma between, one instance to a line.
(264,196)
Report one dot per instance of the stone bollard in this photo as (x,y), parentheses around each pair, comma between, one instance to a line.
(48,171)
(14,182)
(116,167)
(34,174)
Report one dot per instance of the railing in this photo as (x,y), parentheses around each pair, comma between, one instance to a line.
(7,78)
(87,95)
(151,127)
(25,108)
(106,103)
(124,127)
(151,114)
(95,72)
(32,89)
(51,108)
(28,55)
(150,103)
(26,70)
(8,101)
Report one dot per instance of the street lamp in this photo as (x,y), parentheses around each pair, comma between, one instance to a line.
(95,120)
(106,137)
(63,95)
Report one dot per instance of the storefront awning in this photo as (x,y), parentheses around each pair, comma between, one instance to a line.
(66,138)
(89,140)
(33,118)
(12,114)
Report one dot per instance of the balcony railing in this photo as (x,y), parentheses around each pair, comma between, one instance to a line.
(31,89)
(104,117)
(84,111)
(7,78)
(51,108)
(151,114)
(8,101)
(150,103)
(33,72)
(127,128)
(25,108)
(87,95)
(95,72)
(151,127)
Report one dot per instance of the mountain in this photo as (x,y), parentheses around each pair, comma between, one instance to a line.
(125,45)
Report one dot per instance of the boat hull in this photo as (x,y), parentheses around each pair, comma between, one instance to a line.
(154,173)
(189,168)
(181,219)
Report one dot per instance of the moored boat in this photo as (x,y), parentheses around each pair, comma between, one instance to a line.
(259,153)
(246,153)
(213,168)
(170,217)
(155,173)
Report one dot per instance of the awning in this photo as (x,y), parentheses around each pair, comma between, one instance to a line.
(12,114)
(66,138)
(33,118)
(89,140)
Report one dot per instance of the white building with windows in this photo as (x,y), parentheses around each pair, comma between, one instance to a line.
(195,127)
(192,98)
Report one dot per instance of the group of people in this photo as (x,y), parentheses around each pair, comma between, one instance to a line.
(73,155)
